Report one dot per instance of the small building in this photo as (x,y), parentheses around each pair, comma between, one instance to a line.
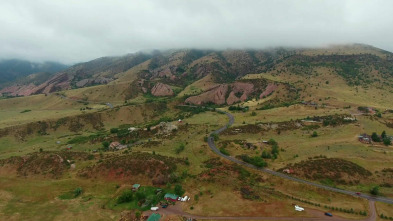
(136,187)
(154,217)
(113,145)
(132,129)
(171,197)
(289,171)
(365,138)
(117,146)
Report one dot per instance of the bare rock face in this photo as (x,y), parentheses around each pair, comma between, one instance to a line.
(161,89)
(18,90)
(246,88)
(216,95)
(232,98)
(269,89)
(242,89)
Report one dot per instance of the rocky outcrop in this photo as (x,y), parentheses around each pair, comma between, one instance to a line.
(18,90)
(216,95)
(269,89)
(161,89)
(57,82)
(232,98)
(239,91)
(88,82)
(245,89)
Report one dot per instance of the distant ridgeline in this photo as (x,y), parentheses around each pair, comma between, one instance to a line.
(175,69)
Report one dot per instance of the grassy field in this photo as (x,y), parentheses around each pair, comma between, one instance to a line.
(23,110)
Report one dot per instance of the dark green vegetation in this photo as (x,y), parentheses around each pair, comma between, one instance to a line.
(142,199)
(256,160)
(329,171)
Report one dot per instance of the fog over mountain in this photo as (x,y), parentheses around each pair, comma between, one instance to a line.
(74,31)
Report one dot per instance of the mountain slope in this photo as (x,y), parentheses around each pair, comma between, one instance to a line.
(358,65)
(13,69)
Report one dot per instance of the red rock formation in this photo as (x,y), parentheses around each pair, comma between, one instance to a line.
(232,98)
(57,82)
(240,87)
(216,95)
(161,89)
(269,89)
(246,88)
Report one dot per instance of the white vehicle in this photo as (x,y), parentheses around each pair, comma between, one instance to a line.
(185,198)
(298,208)
(154,208)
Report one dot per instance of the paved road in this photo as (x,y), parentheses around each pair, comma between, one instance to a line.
(285,176)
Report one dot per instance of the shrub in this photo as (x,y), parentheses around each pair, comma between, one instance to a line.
(180,148)
(114,130)
(256,161)
(140,195)
(266,155)
(138,214)
(78,191)
(224,151)
(375,190)
(387,141)
(179,190)
(215,136)
(314,134)
(105,144)
(375,137)
(125,197)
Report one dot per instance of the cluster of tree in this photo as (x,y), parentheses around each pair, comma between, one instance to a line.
(128,196)
(238,108)
(224,151)
(256,160)
(274,151)
(375,190)
(383,138)
(385,217)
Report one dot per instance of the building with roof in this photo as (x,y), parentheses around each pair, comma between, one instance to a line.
(154,217)
(135,187)
(171,197)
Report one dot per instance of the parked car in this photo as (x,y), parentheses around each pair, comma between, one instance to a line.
(358,193)
(328,214)
(164,206)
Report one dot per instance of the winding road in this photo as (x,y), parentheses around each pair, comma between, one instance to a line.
(212,146)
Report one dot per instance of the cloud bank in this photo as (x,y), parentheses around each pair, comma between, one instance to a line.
(79,30)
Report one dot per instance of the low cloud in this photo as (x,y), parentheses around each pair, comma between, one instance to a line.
(79,30)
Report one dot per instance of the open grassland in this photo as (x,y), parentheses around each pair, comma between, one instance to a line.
(326,87)
(111,93)
(298,145)
(385,209)
(292,112)
(23,110)
(38,199)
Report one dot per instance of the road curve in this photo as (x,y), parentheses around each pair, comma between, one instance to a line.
(212,146)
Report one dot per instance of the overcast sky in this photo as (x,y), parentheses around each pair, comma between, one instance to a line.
(79,30)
